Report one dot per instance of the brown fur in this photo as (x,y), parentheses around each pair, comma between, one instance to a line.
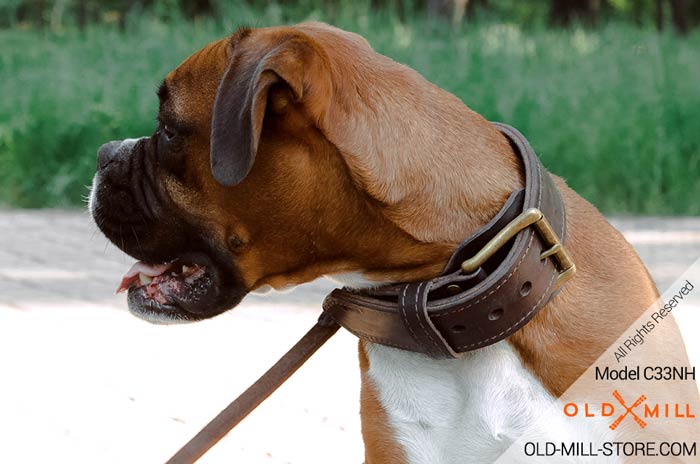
(365,166)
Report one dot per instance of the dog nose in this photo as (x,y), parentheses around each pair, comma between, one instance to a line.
(106,154)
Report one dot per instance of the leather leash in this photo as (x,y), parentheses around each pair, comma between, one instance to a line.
(494,283)
(257,393)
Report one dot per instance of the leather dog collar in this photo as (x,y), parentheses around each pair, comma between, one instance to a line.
(493,284)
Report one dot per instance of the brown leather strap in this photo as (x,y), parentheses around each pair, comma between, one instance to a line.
(256,393)
(458,312)
(414,313)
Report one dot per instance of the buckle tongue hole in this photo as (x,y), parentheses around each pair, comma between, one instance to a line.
(495,314)
(525,289)
(458,329)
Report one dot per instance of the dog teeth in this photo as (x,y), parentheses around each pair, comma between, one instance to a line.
(144,279)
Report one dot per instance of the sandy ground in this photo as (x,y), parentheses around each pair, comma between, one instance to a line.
(82,381)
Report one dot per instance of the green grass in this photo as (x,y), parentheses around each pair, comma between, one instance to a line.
(615,111)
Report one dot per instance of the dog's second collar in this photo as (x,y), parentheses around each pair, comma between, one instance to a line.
(493,284)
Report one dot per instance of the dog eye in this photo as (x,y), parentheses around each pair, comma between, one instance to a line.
(168,149)
(167,132)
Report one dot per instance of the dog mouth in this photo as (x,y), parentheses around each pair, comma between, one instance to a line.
(180,290)
(182,273)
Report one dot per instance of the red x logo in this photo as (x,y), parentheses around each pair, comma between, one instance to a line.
(628,410)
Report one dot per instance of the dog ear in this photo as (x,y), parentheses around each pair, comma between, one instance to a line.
(240,104)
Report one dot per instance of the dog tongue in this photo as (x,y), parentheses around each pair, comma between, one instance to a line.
(132,275)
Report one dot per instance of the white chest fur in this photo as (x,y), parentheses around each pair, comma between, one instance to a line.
(462,411)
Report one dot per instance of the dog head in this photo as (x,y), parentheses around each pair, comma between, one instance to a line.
(285,154)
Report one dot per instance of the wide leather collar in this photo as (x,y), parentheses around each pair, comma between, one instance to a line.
(494,283)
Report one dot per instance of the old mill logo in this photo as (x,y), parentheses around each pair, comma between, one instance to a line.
(640,410)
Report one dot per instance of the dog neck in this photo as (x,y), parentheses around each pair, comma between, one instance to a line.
(420,404)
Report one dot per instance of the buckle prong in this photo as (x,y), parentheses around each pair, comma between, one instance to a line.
(553,250)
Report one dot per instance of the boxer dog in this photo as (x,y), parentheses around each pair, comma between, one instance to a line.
(285,154)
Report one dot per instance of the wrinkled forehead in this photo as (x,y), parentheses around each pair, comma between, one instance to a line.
(191,87)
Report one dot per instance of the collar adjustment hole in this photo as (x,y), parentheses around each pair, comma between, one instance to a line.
(526,288)
(458,329)
(496,314)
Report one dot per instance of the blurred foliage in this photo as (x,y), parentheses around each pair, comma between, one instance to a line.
(614,109)
(57,14)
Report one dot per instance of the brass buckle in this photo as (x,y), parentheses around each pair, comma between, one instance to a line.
(527,218)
